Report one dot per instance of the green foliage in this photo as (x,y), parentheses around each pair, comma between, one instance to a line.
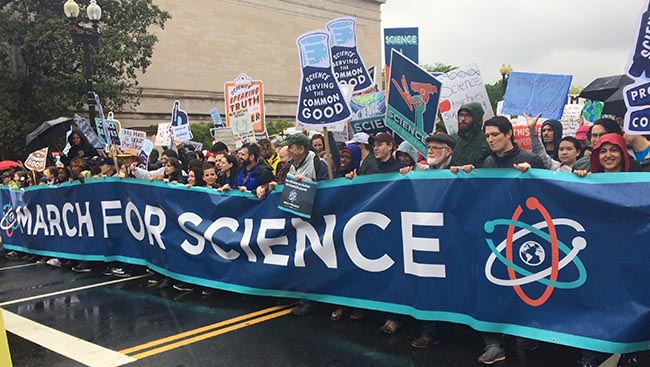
(201,133)
(43,73)
(274,127)
(576,89)
(438,67)
(495,93)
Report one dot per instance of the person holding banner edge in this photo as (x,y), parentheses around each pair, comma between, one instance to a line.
(499,136)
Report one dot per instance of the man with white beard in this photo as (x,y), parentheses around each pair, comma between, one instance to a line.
(440,148)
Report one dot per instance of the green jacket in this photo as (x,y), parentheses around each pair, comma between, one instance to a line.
(471,148)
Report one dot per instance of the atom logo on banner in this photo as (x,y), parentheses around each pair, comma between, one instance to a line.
(8,223)
(533,253)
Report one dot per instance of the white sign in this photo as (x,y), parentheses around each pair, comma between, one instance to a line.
(460,86)
(164,134)
(182,133)
(132,139)
(224,135)
(242,128)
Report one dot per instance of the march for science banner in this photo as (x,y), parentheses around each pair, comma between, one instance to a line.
(543,255)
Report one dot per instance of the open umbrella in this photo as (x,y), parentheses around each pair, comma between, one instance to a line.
(8,164)
(615,104)
(43,135)
(602,88)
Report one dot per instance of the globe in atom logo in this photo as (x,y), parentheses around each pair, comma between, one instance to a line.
(532,253)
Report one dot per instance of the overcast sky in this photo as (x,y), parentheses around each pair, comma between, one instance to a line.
(583,38)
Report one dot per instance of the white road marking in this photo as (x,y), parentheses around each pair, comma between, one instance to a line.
(67,345)
(17,266)
(47,295)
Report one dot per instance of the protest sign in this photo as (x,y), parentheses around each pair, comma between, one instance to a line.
(637,95)
(132,139)
(536,93)
(321,102)
(179,117)
(242,129)
(247,94)
(404,41)
(412,101)
(298,196)
(164,134)
(37,160)
(109,126)
(347,63)
(224,135)
(369,114)
(104,134)
(88,132)
(216,117)
(410,245)
(196,145)
(460,86)
(592,110)
(571,118)
(522,134)
(145,152)
(182,133)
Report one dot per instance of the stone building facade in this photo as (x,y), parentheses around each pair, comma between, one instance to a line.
(209,42)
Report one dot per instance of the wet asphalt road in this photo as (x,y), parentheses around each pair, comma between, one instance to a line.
(224,329)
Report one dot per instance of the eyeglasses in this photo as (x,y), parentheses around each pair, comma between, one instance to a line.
(436,148)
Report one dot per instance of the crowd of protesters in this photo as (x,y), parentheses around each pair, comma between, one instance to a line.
(259,167)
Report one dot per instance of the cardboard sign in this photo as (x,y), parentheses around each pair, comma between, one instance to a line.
(321,102)
(37,160)
(164,134)
(347,63)
(182,133)
(224,135)
(298,197)
(88,132)
(412,101)
(460,86)
(132,139)
(247,94)
(536,93)
(522,135)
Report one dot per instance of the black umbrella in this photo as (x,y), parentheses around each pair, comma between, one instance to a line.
(47,133)
(615,104)
(602,88)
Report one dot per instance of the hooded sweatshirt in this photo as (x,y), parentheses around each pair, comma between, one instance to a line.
(355,153)
(471,147)
(611,138)
(557,136)
(407,148)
